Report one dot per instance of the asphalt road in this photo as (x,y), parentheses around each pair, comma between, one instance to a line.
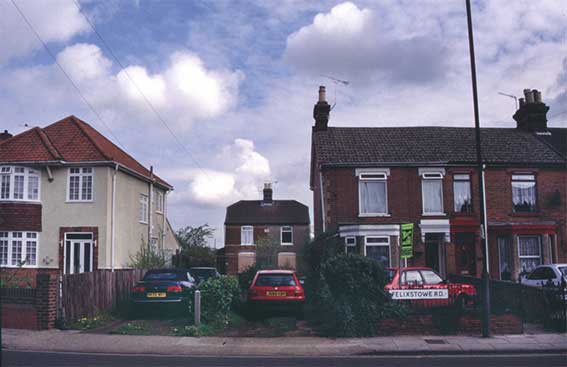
(12,358)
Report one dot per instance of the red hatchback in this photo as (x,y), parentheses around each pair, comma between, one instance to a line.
(277,288)
(423,287)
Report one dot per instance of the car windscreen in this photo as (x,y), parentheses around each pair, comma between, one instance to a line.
(563,270)
(431,277)
(275,280)
(172,275)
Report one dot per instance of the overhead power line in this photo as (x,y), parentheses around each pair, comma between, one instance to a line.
(146,99)
(91,107)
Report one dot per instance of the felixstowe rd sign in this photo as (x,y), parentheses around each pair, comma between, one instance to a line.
(419,293)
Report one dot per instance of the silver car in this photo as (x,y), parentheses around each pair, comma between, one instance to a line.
(546,274)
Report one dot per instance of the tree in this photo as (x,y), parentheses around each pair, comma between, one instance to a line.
(267,253)
(148,257)
(194,249)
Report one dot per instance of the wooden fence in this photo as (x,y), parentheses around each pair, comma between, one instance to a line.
(86,294)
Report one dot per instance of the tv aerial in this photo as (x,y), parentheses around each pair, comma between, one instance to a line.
(335,81)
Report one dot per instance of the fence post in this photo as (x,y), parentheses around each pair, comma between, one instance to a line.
(197,308)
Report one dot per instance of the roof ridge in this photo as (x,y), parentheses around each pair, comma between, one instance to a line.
(48,144)
(78,122)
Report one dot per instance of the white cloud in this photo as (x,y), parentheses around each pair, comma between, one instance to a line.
(54,21)
(135,82)
(84,61)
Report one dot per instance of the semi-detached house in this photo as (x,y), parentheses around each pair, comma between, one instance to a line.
(367,181)
(71,201)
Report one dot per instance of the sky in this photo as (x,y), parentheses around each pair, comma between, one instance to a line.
(218,95)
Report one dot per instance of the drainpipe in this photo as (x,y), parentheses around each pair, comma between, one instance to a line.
(322,199)
(150,196)
(113,219)
(164,215)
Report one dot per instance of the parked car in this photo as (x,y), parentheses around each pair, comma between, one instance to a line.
(549,274)
(423,287)
(163,287)
(276,289)
(202,274)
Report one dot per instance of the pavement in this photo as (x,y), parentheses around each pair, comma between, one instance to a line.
(76,341)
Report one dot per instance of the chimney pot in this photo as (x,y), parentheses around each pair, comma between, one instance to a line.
(322,94)
(268,194)
(537,96)
(5,135)
(532,114)
(321,111)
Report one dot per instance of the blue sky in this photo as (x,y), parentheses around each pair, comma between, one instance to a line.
(236,80)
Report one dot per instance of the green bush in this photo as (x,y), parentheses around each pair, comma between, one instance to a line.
(218,295)
(349,297)
(246,277)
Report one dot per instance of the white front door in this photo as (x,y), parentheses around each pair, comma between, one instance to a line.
(78,253)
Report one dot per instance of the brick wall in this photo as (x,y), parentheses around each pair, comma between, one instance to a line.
(34,308)
(20,217)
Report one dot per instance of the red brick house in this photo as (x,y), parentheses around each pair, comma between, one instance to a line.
(366,181)
(284,223)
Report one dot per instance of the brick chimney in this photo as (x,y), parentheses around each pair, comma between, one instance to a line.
(5,135)
(321,111)
(267,200)
(532,114)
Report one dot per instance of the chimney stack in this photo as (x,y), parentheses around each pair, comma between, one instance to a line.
(532,114)
(321,111)
(5,135)
(267,194)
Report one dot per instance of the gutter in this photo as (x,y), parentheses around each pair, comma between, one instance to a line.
(441,164)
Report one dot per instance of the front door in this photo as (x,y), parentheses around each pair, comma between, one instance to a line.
(78,253)
(465,254)
(434,255)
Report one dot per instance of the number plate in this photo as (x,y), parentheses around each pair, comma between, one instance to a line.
(156,295)
(277,294)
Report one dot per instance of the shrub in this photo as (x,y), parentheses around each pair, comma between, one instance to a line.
(148,258)
(349,298)
(218,295)
(246,277)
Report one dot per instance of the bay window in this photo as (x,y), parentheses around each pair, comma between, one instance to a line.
(18,248)
(80,186)
(373,193)
(378,248)
(524,193)
(19,183)
(350,245)
(529,252)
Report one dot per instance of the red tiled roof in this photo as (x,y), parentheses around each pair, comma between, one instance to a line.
(69,140)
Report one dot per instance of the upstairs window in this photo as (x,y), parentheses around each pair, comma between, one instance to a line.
(462,193)
(80,184)
(287,235)
(524,193)
(159,203)
(432,193)
(373,193)
(19,183)
(246,235)
(143,209)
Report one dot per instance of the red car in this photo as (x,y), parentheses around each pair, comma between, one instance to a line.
(424,288)
(276,288)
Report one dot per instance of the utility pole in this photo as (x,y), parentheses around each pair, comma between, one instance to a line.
(485,285)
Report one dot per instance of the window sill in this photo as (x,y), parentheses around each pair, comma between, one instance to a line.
(363,215)
(433,214)
(19,267)
(20,201)
(286,244)
(78,201)
(247,244)
(524,214)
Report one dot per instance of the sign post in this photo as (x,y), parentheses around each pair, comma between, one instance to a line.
(406,241)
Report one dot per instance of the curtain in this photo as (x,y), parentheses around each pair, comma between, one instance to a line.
(504,258)
(529,253)
(380,254)
(462,194)
(523,195)
(373,197)
(432,196)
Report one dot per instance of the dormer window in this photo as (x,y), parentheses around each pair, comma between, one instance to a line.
(373,192)
(19,183)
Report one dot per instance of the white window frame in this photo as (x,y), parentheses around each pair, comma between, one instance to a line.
(387,243)
(462,177)
(91,243)
(24,240)
(540,256)
(10,172)
(143,202)
(432,175)
(246,228)
(81,176)
(524,177)
(288,229)
(350,244)
(159,202)
(375,174)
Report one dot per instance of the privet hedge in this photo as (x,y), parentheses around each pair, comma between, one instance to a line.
(349,297)
(218,295)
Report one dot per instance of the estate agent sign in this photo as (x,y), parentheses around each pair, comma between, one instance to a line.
(406,240)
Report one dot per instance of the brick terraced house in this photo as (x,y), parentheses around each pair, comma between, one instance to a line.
(367,181)
(71,201)
(284,223)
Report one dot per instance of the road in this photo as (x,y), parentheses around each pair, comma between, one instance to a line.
(13,358)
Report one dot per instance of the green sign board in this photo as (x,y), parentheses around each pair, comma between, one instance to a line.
(407,240)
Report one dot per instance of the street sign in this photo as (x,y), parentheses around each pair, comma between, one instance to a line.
(439,293)
(406,236)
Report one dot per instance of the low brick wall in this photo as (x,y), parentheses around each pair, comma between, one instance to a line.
(31,308)
(438,324)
